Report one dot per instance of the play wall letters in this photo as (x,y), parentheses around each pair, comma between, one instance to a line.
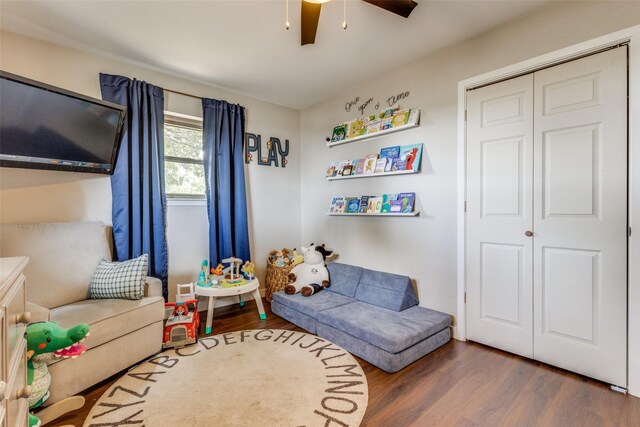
(253,144)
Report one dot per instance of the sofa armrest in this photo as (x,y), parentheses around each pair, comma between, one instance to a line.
(38,313)
(153,287)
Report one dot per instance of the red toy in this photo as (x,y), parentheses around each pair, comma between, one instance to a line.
(181,327)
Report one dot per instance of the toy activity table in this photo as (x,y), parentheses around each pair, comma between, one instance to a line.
(208,291)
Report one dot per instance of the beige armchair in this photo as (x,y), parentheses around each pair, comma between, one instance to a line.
(63,257)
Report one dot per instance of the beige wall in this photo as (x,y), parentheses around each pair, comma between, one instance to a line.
(37,196)
(425,247)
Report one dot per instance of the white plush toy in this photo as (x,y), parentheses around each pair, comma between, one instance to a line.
(312,275)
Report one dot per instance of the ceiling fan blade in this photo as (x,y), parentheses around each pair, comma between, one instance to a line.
(309,18)
(399,7)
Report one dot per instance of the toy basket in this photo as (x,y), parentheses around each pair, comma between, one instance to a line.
(276,280)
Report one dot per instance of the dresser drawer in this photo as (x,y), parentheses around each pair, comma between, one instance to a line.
(13,305)
(17,408)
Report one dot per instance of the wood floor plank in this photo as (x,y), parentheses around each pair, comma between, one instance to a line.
(460,384)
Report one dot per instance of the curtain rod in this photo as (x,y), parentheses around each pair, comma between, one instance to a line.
(182,93)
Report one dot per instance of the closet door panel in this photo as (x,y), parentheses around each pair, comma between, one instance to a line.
(499,211)
(580,216)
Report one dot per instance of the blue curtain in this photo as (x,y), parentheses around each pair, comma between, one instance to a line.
(223,137)
(137,185)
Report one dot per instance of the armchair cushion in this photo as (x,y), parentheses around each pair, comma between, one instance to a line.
(120,280)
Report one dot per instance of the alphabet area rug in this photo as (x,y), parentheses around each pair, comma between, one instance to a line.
(254,378)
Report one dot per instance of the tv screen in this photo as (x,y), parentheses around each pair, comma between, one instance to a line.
(45,127)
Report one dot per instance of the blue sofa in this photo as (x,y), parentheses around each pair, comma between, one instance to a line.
(371,314)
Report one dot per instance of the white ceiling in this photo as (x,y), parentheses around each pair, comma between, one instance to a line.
(242,45)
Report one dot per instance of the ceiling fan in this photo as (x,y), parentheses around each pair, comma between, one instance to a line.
(311,14)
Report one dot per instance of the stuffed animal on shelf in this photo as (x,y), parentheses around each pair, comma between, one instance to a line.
(312,275)
(45,342)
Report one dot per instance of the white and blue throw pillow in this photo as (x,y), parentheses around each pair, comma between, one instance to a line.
(120,280)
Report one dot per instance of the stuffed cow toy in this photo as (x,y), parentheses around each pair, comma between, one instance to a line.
(312,275)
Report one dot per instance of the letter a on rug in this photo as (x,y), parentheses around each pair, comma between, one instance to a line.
(247,378)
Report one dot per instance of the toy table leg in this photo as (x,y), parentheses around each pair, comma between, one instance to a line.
(256,296)
(241,299)
(212,303)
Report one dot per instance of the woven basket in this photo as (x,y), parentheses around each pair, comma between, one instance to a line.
(276,280)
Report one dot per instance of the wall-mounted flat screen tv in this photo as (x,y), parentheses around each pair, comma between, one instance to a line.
(45,127)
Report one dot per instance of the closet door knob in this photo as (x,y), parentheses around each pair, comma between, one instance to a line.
(528,233)
(24,317)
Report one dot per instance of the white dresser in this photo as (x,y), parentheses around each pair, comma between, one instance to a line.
(13,352)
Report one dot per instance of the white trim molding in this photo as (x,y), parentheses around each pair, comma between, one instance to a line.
(631,36)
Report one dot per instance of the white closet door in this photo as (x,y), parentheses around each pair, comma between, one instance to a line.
(580,219)
(499,211)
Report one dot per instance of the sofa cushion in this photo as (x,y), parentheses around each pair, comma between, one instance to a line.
(344,278)
(122,280)
(110,318)
(388,330)
(314,304)
(62,256)
(386,290)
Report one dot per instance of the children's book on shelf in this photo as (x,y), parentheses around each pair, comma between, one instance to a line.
(386,123)
(390,152)
(388,113)
(411,154)
(395,206)
(414,117)
(346,170)
(398,164)
(364,202)
(387,199)
(339,133)
(401,117)
(331,171)
(360,167)
(352,204)
(370,163)
(381,164)
(354,128)
(375,205)
(354,166)
(337,205)
(408,201)
(373,126)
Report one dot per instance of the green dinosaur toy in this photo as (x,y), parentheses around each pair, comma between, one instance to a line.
(46,341)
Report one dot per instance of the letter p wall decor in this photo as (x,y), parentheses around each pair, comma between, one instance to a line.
(276,153)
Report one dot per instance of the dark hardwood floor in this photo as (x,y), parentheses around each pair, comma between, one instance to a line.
(460,384)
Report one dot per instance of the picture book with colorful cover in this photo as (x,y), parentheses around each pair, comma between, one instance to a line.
(346,170)
(387,199)
(334,204)
(364,202)
(386,123)
(390,152)
(381,164)
(332,170)
(354,166)
(400,118)
(375,205)
(370,163)
(354,128)
(408,201)
(395,206)
(373,126)
(339,206)
(360,168)
(398,164)
(353,204)
(412,155)
(339,133)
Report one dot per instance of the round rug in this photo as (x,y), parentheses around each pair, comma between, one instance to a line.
(255,378)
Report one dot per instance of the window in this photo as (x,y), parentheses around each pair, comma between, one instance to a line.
(183,165)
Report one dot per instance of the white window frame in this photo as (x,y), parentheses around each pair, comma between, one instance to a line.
(191,122)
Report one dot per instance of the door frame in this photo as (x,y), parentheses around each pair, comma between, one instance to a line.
(632,37)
